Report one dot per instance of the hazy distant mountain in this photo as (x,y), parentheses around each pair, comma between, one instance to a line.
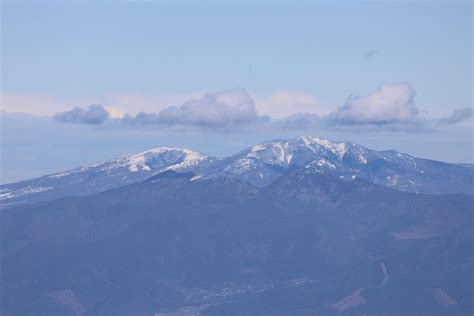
(260,164)
(180,244)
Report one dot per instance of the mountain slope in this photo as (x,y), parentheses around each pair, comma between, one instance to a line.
(221,246)
(264,163)
(103,175)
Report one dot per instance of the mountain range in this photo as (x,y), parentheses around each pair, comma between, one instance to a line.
(260,165)
(292,227)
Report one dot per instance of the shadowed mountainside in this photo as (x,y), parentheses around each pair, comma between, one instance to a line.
(308,244)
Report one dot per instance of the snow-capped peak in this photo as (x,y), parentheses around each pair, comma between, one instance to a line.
(155,159)
(162,158)
(337,148)
(275,152)
(286,153)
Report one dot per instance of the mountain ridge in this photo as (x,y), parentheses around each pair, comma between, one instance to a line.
(259,164)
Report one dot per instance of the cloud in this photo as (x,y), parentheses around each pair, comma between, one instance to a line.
(233,107)
(389,104)
(133,103)
(94,114)
(218,110)
(371,54)
(142,118)
(390,107)
(284,103)
(457,116)
(225,109)
(115,113)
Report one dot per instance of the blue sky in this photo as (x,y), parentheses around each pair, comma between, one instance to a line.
(290,57)
(89,49)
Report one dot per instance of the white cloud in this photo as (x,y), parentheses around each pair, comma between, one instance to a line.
(389,104)
(219,109)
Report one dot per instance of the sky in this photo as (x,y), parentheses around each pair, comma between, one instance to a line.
(387,74)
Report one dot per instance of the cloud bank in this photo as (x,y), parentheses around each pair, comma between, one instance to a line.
(390,107)
(94,114)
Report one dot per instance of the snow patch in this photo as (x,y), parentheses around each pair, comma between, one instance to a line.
(195,178)
(363,159)
(59,175)
(338,149)
(161,158)
(325,163)
(5,195)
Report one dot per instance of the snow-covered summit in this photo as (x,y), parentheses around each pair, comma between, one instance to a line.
(263,163)
(155,159)
(287,152)
(108,174)
(165,158)
(337,148)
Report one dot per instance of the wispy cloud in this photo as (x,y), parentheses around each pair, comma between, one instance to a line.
(457,116)
(371,54)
